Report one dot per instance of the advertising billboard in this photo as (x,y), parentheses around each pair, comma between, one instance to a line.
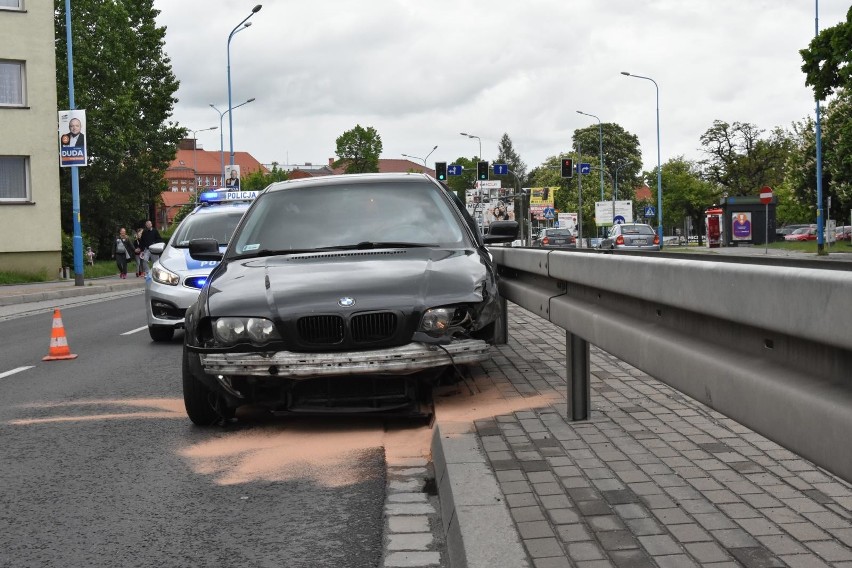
(72,138)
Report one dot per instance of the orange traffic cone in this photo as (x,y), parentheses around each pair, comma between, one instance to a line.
(58,343)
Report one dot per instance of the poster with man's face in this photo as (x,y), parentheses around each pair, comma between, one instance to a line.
(72,138)
(232,177)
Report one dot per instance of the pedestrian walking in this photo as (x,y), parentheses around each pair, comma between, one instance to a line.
(150,235)
(90,256)
(137,250)
(122,251)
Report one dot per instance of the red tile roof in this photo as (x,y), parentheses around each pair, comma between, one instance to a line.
(643,193)
(391,165)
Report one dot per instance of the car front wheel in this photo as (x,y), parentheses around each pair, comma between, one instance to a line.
(198,399)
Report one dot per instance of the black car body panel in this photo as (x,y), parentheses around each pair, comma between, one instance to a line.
(349,309)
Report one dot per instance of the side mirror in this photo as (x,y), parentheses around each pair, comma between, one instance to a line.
(157,248)
(205,249)
(502,232)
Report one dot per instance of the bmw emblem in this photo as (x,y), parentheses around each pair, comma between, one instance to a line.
(346,302)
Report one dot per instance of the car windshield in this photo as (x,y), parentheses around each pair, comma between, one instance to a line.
(357,215)
(636,230)
(219,225)
(558,233)
(802,231)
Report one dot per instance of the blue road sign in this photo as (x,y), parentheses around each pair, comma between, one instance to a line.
(454,170)
(619,220)
(501,169)
(549,213)
(585,168)
(650,211)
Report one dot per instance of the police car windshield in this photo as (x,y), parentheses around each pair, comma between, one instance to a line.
(217,225)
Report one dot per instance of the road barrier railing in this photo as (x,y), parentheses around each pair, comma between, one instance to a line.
(768,346)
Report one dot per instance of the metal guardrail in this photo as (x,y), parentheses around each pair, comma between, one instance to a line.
(769,346)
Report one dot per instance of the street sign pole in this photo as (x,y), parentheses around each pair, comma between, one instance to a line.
(766,199)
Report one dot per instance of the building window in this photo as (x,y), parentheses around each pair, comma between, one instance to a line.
(11,82)
(13,178)
(16,4)
(207,181)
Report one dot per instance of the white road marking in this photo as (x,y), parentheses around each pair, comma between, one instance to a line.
(13,371)
(137,330)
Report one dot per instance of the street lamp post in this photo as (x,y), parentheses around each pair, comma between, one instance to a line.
(478,138)
(422,159)
(239,27)
(600,143)
(659,165)
(222,132)
(195,153)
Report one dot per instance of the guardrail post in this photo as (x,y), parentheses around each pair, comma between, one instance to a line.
(578,376)
(501,331)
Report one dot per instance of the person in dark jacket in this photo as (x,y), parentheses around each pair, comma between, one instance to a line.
(150,235)
(122,251)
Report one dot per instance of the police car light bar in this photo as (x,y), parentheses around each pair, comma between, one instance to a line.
(223,196)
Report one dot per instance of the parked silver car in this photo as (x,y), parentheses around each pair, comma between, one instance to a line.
(631,236)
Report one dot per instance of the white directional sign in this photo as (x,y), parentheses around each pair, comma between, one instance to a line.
(609,213)
(488,184)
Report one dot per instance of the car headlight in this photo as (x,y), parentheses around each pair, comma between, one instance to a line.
(445,321)
(230,331)
(163,276)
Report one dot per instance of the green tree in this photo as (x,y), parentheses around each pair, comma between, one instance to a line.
(567,196)
(461,183)
(258,180)
(506,154)
(828,59)
(359,149)
(740,160)
(124,81)
(621,151)
(837,167)
(685,194)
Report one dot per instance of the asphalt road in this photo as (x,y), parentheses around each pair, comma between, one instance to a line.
(101,467)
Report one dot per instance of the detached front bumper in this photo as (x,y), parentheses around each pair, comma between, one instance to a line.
(402,360)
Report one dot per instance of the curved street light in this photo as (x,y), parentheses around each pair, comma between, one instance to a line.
(478,138)
(239,27)
(422,159)
(221,133)
(600,143)
(195,153)
(659,165)
(617,169)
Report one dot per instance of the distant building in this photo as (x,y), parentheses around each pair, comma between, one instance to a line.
(195,168)
(29,150)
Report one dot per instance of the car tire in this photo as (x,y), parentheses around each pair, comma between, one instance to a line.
(197,398)
(160,333)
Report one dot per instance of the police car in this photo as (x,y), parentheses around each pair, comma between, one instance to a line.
(176,278)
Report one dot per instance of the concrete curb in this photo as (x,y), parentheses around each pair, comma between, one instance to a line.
(70,291)
(478,528)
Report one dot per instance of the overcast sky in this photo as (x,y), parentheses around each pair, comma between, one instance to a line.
(420,72)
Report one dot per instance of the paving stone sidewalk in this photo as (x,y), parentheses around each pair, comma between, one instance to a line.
(654,478)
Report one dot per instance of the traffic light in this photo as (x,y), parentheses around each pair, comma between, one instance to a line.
(441,171)
(567,167)
(482,171)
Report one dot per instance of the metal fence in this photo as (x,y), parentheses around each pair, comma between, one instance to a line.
(767,345)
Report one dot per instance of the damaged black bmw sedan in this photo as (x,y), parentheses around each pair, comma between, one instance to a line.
(350,292)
